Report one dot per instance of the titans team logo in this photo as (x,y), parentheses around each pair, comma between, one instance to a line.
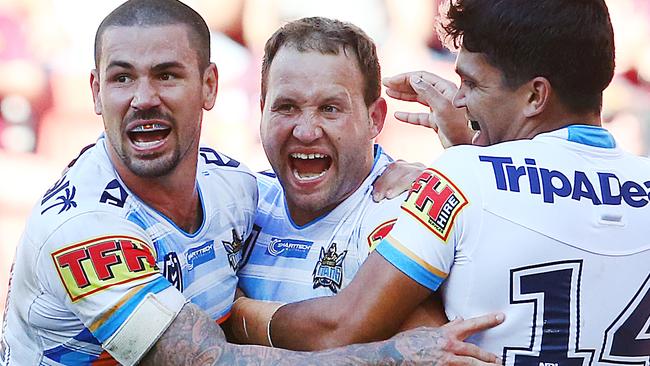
(172,270)
(234,250)
(329,269)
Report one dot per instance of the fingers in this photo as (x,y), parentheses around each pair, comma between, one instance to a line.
(420,119)
(429,94)
(400,86)
(469,354)
(400,82)
(466,328)
(468,361)
(396,179)
(409,96)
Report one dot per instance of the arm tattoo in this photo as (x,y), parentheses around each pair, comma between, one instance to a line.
(195,339)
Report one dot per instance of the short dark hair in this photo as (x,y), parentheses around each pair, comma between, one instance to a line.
(157,13)
(327,36)
(571,43)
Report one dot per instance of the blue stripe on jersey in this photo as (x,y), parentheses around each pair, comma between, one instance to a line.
(591,136)
(136,218)
(260,288)
(75,353)
(119,317)
(408,266)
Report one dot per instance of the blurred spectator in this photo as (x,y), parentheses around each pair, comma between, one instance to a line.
(626,104)
(25,92)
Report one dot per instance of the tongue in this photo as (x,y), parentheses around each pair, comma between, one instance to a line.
(311,166)
(149,136)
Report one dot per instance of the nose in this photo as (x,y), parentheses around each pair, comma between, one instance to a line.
(145,95)
(307,129)
(459,98)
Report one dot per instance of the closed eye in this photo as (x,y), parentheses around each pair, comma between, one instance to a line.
(468,83)
(284,108)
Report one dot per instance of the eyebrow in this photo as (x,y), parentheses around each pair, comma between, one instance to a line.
(282,100)
(167,65)
(122,64)
(157,68)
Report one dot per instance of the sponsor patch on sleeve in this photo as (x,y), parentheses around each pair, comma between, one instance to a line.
(92,266)
(380,232)
(435,202)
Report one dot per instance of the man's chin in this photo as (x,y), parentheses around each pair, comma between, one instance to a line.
(152,168)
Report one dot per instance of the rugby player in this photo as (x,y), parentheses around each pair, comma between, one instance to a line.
(321,110)
(540,221)
(87,286)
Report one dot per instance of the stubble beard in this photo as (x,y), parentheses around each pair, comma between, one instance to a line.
(151,166)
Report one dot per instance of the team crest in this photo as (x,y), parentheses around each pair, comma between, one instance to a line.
(234,250)
(329,269)
(435,202)
(172,270)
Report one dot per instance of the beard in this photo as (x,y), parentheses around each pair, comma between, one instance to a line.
(152,167)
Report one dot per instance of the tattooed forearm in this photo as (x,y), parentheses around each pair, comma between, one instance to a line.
(194,339)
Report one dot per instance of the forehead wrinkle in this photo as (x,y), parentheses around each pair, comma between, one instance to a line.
(303,94)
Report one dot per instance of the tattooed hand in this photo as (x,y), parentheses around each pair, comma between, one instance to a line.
(445,346)
(194,339)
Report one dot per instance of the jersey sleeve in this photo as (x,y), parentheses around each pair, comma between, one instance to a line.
(424,239)
(103,268)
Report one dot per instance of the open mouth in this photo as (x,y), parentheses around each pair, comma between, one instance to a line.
(309,167)
(479,137)
(148,135)
(474,125)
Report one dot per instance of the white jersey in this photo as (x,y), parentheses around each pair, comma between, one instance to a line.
(290,263)
(99,275)
(553,231)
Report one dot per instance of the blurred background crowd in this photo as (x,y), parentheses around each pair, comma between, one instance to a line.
(46,110)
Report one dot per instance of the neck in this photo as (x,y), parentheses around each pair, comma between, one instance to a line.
(174,195)
(555,120)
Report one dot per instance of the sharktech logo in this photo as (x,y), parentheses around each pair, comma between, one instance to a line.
(289,248)
(201,254)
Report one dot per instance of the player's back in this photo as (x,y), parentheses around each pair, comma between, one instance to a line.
(556,234)
(552,231)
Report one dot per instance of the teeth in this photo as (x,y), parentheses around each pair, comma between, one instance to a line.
(149,127)
(308,176)
(308,156)
(146,144)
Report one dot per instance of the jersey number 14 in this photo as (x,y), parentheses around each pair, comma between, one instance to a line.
(554,291)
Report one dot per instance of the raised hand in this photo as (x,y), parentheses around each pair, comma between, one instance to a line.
(437,94)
